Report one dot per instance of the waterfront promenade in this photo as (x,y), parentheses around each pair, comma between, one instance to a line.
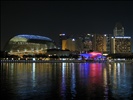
(61,61)
(44,61)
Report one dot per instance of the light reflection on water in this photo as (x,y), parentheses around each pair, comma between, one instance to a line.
(63,81)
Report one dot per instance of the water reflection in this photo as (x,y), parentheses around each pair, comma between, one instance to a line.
(121,83)
(39,81)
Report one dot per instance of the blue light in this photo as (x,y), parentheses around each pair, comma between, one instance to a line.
(34,37)
(92,55)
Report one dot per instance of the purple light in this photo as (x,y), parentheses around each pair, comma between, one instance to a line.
(93,55)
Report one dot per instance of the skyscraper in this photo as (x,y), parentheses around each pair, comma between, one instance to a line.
(62,36)
(101,43)
(119,42)
(118,30)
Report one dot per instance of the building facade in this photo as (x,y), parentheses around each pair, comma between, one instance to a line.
(69,44)
(121,44)
(62,36)
(87,42)
(101,42)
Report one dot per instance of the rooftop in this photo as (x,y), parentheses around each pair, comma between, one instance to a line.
(34,37)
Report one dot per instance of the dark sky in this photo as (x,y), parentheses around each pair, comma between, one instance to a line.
(49,18)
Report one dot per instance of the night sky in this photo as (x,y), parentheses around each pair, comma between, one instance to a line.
(49,18)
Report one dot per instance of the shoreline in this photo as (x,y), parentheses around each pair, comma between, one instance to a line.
(62,61)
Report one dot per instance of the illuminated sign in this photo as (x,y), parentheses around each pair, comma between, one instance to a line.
(122,37)
(62,34)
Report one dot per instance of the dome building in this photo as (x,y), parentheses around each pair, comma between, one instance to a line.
(29,45)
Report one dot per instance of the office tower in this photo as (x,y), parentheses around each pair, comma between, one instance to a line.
(118,30)
(101,43)
(87,42)
(79,44)
(62,36)
(73,44)
(69,44)
(108,39)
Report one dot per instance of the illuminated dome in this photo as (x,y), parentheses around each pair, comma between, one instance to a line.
(29,45)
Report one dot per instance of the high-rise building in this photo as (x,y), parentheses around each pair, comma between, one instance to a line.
(62,36)
(118,30)
(108,39)
(69,44)
(121,44)
(87,42)
(79,44)
(101,43)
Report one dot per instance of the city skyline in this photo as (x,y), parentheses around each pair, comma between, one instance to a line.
(50,18)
